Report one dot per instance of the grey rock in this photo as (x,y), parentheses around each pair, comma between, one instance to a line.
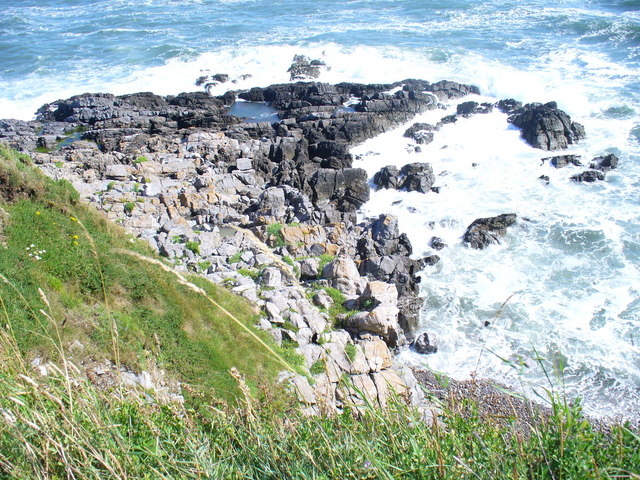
(422,344)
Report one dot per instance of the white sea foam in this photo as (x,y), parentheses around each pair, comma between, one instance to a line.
(562,268)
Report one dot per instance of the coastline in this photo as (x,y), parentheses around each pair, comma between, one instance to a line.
(178,170)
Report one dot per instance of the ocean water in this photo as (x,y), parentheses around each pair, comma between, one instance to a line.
(564,286)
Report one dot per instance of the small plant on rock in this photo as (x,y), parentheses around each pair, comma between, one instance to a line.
(193,246)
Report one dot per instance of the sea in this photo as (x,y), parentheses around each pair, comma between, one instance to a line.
(552,310)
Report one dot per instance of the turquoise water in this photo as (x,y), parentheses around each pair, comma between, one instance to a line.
(571,273)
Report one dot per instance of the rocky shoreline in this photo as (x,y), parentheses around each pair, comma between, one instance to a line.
(270,209)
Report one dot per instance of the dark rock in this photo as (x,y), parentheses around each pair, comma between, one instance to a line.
(546,127)
(303,68)
(560,161)
(509,105)
(437,243)
(420,132)
(544,178)
(429,260)
(588,176)
(446,90)
(387,177)
(331,149)
(485,231)
(469,108)
(387,238)
(446,120)
(348,187)
(604,163)
(418,177)
(409,315)
(396,269)
(423,345)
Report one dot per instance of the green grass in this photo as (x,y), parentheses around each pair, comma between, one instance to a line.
(90,284)
(235,258)
(324,260)
(251,273)
(193,246)
(337,308)
(274,230)
(52,430)
(141,159)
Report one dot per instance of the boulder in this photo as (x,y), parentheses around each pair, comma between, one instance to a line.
(381,321)
(386,236)
(271,277)
(546,127)
(379,293)
(422,133)
(422,344)
(437,243)
(387,177)
(604,163)
(508,105)
(418,177)
(485,231)
(343,274)
(377,354)
(467,109)
(348,188)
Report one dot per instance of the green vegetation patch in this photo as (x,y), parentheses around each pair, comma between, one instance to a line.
(71,252)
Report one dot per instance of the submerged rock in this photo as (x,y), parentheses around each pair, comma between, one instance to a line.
(303,68)
(560,161)
(588,176)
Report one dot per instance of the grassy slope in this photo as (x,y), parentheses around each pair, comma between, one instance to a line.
(157,319)
(61,426)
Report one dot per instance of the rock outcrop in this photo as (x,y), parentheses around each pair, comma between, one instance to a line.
(546,127)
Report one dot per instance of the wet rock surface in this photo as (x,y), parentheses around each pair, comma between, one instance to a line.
(486,231)
(546,127)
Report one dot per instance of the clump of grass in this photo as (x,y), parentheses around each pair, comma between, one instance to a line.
(129,206)
(251,273)
(204,265)
(324,260)
(235,258)
(141,159)
(275,231)
(193,246)
(350,350)
(318,367)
